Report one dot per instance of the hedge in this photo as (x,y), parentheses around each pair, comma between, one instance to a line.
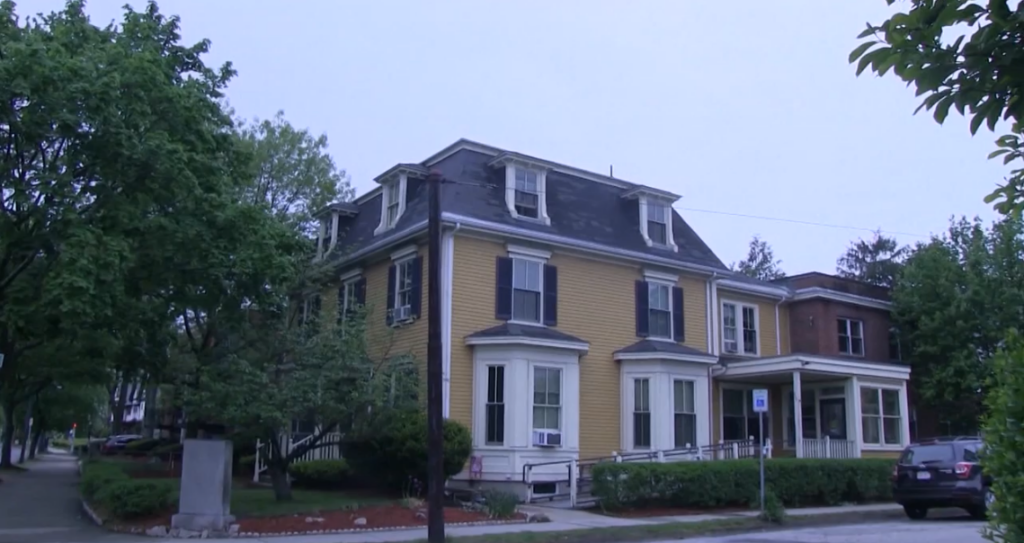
(107,485)
(320,474)
(725,483)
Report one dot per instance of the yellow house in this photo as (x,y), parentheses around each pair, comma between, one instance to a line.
(584,320)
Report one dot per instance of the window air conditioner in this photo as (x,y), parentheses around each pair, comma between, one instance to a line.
(547,438)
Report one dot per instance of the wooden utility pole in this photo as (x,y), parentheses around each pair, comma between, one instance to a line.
(435,413)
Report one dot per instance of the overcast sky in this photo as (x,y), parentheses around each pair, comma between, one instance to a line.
(747,109)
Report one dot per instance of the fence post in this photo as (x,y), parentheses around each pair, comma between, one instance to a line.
(661,456)
(735,450)
(573,482)
(828,448)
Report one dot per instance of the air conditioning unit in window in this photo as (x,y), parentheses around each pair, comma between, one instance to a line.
(401,313)
(547,438)
(732,346)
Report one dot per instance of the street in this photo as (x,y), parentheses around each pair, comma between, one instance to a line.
(944,530)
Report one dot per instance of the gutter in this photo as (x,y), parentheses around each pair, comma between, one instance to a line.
(713,349)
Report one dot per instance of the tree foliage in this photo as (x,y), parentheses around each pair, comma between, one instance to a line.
(955,299)
(760,262)
(876,261)
(979,73)
(1004,439)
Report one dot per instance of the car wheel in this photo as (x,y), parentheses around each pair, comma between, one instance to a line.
(915,513)
(990,497)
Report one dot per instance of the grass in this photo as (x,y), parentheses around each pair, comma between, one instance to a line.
(676,530)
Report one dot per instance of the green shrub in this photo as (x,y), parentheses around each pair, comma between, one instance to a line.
(1003,454)
(500,504)
(393,449)
(247,463)
(145,445)
(321,474)
(166,450)
(134,498)
(774,509)
(97,476)
(723,483)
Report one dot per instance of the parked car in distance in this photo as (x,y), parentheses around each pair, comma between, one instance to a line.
(115,444)
(942,472)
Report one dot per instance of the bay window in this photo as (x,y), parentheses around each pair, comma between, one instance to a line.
(881,420)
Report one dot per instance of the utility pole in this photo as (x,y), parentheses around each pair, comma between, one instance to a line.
(435,414)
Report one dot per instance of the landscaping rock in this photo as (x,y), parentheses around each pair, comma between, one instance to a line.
(233,530)
(204,534)
(537,517)
(359,521)
(157,531)
(311,520)
(421,515)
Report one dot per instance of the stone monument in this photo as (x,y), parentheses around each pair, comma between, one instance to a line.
(205,500)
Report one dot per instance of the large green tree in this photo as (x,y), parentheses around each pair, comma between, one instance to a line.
(966,55)
(876,260)
(760,262)
(956,297)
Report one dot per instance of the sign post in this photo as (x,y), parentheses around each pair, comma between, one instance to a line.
(760,407)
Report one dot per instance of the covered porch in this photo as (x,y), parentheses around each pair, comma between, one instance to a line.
(819,407)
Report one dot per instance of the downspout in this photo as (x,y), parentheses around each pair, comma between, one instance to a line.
(446,320)
(713,349)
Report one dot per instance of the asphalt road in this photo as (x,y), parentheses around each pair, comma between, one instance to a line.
(945,530)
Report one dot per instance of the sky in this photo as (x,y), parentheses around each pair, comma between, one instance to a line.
(749,110)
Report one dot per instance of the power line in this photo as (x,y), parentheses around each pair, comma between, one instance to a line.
(743,215)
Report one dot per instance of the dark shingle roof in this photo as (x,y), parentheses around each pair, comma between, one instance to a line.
(653,346)
(524,331)
(579,208)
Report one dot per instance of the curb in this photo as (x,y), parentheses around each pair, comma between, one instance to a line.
(253,535)
(91,514)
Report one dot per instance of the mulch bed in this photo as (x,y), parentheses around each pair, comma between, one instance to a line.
(649,512)
(380,517)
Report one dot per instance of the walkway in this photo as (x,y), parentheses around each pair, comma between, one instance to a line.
(41,505)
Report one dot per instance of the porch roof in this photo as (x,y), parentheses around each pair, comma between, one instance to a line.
(738,367)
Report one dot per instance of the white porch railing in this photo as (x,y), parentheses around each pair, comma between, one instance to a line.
(829,448)
(330,449)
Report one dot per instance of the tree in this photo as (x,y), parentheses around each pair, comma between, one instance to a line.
(955,298)
(294,174)
(876,261)
(979,73)
(1003,432)
(760,262)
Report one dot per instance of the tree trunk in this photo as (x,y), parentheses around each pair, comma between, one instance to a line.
(8,436)
(27,429)
(117,421)
(150,412)
(37,435)
(279,480)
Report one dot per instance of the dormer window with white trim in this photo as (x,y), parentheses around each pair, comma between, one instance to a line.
(655,214)
(525,187)
(393,197)
(657,223)
(392,201)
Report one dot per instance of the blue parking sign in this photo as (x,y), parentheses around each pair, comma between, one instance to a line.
(760,400)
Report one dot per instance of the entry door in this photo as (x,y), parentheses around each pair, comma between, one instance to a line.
(833,418)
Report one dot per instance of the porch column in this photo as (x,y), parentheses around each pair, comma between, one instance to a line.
(858,428)
(798,418)
(904,415)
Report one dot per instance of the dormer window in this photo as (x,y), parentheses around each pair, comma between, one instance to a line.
(657,223)
(527,198)
(392,199)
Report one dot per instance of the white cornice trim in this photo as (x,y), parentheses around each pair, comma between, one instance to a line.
(651,192)
(348,275)
(764,290)
(655,275)
(835,295)
(673,357)
(399,169)
(528,342)
(813,363)
(529,252)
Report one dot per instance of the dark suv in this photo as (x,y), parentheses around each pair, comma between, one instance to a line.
(942,472)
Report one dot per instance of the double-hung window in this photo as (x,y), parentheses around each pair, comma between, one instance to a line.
(659,305)
(403,287)
(527,201)
(547,398)
(495,407)
(526,290)
(851,337)
(657,223)
(880,416)
(348,298)
(685,416)
(392,195)
(739,328)
(641,413)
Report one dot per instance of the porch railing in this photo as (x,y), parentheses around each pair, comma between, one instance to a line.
(829,448)
(329,448)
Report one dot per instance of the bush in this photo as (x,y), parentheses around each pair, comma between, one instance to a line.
(500,504)
(394,449)
(99,475)
(134,498)
(1003,454)
(167,450)
(724,483)
(321,474)
(247,463)
(140,446)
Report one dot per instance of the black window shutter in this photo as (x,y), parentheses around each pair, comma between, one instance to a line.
(503,289)
(643,315)
(550,295)
(361,291)
(417,286)
(678,326)
(389,313)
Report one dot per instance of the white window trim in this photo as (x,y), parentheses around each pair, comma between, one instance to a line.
(747,401)
(739,327)
(663,374)
(863,343)
(561,397)
(517,252)
(817,388)
(328,226)
(542,200)
(904,420)
(651,384)
(398,258)
(402,181)
(671,309)
(346,283)
(644,201)
(504,404)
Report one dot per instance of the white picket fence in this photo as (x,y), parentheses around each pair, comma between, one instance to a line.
(330,450)
(829,448)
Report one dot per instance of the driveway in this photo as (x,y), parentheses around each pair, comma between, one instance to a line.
(944,530)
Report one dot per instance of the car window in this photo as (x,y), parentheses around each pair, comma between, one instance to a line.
(926,454)
(972,452)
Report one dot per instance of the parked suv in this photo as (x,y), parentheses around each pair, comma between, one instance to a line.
(942,472)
